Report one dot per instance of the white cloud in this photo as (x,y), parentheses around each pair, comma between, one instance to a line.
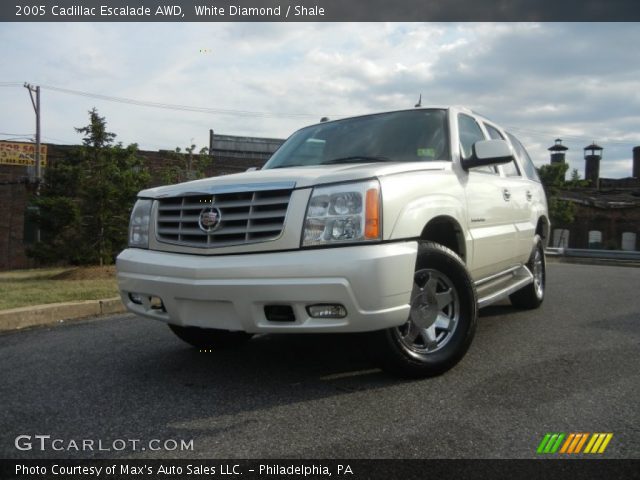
(545,80)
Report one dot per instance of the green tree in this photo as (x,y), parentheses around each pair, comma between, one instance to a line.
(97,183)
(57,212)
(186,166)
(552,176)
(576,181)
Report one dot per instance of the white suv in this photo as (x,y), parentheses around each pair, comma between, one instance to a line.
(400,223)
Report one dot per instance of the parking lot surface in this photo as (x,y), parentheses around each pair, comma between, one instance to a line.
(571,366)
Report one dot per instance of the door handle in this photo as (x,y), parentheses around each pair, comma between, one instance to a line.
(506,194)
(529,196)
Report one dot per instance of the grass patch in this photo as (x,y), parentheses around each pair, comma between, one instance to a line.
(22,288)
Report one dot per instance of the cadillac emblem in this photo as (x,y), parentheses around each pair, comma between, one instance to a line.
(209,219)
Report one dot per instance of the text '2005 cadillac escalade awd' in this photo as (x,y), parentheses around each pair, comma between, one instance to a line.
(401,224)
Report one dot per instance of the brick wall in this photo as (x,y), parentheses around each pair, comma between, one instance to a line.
(14,196)
(15,192)
(611,222)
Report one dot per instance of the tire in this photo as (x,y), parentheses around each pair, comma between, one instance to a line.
(209,338)
(442,322)
(532,295)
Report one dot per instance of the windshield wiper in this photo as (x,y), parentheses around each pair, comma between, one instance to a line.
(356,159)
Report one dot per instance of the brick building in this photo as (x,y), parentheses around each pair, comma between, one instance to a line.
(608,216)
(229,154)
(607,213)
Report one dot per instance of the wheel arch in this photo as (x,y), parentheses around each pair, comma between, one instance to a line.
(446,231)
(434,217)
(542,228)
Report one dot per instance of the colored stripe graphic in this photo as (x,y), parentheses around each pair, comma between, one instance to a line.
(604,445)
(550,443)
(567,443)
(577,439)
(598,442)
(582,441)
(555,448)
(543,443)
(573,443)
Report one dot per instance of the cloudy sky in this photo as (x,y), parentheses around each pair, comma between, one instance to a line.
(578,81)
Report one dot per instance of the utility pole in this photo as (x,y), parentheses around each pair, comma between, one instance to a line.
(36,107)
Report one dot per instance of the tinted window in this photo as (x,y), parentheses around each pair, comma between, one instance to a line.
(510,169)
(494,134)
(470,133)
(525,159)
(405,136)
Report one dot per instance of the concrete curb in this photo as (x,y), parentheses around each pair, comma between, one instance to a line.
(593,261)
(35,315)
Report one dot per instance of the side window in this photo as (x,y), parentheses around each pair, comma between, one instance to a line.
(525,159)
(510,169)
(494,134)
(470,132)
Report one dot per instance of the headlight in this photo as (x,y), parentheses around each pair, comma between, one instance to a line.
(347,212)
(139,224)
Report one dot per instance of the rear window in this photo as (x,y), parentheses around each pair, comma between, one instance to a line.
(525,159)
(510,169)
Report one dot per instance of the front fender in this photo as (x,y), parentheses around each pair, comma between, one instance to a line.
(410,202)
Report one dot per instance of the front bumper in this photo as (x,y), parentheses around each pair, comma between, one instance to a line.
(373,283)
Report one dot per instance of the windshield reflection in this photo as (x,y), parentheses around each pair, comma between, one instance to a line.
(404,136)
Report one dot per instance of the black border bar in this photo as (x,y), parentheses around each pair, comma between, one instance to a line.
(272,469)
(319,10)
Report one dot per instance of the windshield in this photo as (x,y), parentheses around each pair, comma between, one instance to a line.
(405,136)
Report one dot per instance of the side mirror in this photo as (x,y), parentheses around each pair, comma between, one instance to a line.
(488,152)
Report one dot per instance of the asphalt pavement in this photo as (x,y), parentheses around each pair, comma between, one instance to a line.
(571,366)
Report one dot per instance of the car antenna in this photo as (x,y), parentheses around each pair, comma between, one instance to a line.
(419,104)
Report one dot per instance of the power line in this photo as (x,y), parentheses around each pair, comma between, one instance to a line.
(170,106)
(67,142)
(28,139)
(249,113)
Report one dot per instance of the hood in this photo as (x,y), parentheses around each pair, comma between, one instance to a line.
(294,177)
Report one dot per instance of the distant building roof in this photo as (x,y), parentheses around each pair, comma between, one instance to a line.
(617,193)
(593,146)
(557,147)
(232,143)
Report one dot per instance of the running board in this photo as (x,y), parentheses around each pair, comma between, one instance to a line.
(502,285)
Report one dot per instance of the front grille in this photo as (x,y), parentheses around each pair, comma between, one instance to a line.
(245,217)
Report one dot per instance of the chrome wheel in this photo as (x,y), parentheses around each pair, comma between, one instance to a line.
(532,295)
(538,273)
(443,312)
(434,314)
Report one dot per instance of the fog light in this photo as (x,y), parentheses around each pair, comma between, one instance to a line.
(327,311)
(156,303)
(135,298)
